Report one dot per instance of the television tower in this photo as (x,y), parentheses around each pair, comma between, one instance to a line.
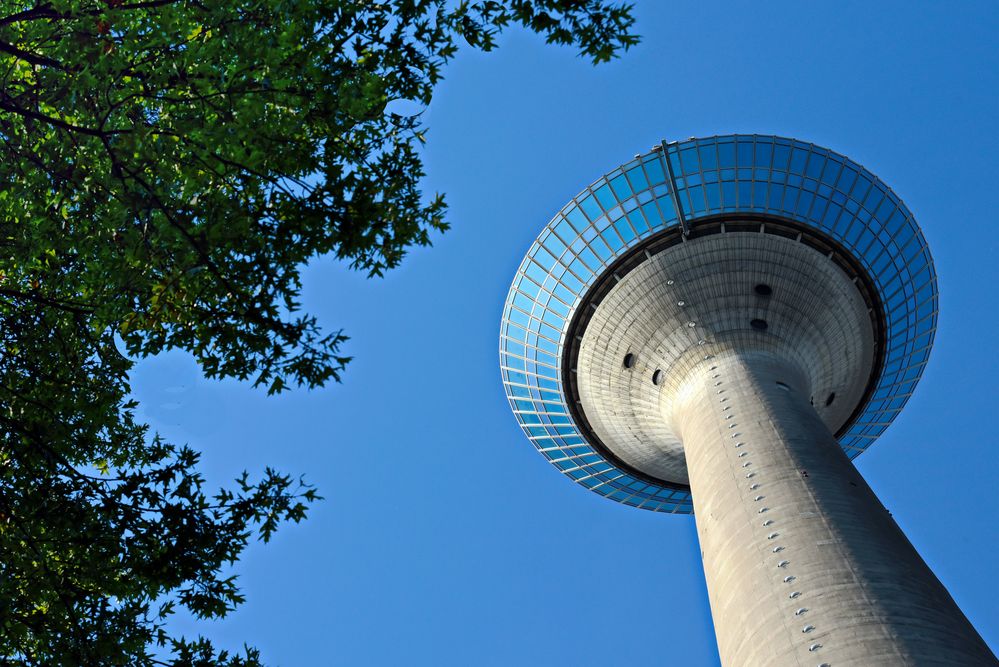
(719,327)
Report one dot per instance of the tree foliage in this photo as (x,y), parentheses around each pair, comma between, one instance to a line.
(166,168)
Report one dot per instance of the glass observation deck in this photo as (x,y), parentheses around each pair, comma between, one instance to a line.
(637,203)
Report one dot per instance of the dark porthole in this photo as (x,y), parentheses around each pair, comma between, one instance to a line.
(763,289)
(629,360)
(830,398)
(759,325)
(657,377)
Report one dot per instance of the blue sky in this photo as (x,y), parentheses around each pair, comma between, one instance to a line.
(445,539)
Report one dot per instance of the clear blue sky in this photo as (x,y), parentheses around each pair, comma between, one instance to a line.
(445,539)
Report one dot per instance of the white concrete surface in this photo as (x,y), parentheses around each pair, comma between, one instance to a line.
(704,290)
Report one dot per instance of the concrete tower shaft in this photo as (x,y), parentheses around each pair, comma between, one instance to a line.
(804,566)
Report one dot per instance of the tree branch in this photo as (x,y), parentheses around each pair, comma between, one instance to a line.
(40,298)
(40,12)
(32,58)
(7,105)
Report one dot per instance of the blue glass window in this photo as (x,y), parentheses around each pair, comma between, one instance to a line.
(590,207)
(709,157)
(622,190)
(744,154)
(654,169)
(606,199)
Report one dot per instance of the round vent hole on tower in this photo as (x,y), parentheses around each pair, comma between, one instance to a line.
(763,290)
(830,398)
(759,325)
(657,377)
(629,360)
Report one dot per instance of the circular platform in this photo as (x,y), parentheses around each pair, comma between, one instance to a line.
(732,291)
(765,201)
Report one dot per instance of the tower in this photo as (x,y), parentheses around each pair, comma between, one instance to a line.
(719,327)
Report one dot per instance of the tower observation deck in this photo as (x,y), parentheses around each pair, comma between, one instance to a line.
(718,327)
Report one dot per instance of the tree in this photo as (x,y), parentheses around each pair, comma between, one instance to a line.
(166,168)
